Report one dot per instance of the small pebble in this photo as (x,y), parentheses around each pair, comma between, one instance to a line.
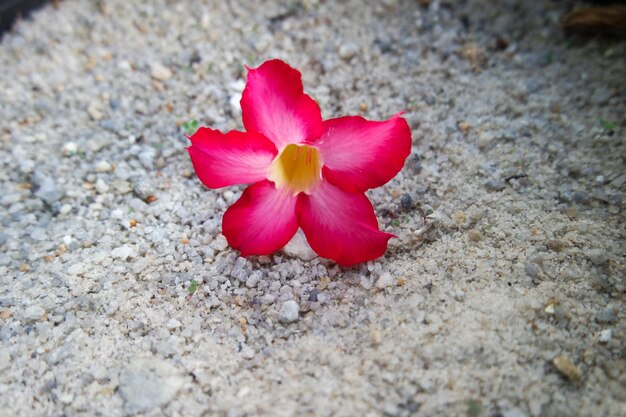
(103,166)
(597,256)
(459,296)
(606,315)
(160,72)
(565,366)
(406,201)
(376,337)
(101,186)
(532,269)
(474,235)
(606,335)
(298,247)
(289,312)
(34,312)
(384,281)
(95,111)
(557,245)
(47,189)
(464,127)
(253,280)
(347,51)
(173,324)
(69,148)
(484,139)
(459,217)
(495,185)
(219,244)
(65,209)
(123,252)
(246,351)
(76,269)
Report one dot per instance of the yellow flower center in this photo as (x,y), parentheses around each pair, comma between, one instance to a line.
(297,168)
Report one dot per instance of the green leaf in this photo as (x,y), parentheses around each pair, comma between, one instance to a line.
(190,126)
(473,408)
(193,287)
(607,125)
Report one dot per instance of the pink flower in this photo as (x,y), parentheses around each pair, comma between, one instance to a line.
(305,172)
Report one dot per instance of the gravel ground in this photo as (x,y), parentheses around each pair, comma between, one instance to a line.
(119,296)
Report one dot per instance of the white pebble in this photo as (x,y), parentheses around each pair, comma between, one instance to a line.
(219,244)
(228,195)
(173,324)
(348,50)
(76,269)
(606,335)
(246,351)
(103,166)
(34,312)
(484,139)
(160,72)
(384,281)
(101,186)
(69,148)
(234,102)
(123,252)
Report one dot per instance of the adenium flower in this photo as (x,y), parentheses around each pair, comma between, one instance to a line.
(305,173)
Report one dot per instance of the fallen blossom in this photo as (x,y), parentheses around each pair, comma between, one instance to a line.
(305,172)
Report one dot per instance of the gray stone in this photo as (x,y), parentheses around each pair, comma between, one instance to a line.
(47,189)
(253,280)
(607,315)
(289,312)
(495,185)
(532,269)
(597,256)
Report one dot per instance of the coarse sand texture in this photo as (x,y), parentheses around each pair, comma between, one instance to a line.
(502,295)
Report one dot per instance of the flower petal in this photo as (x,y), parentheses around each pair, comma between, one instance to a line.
(359,154)
(261,221)
(274,104)
(221,159)
(341,226)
